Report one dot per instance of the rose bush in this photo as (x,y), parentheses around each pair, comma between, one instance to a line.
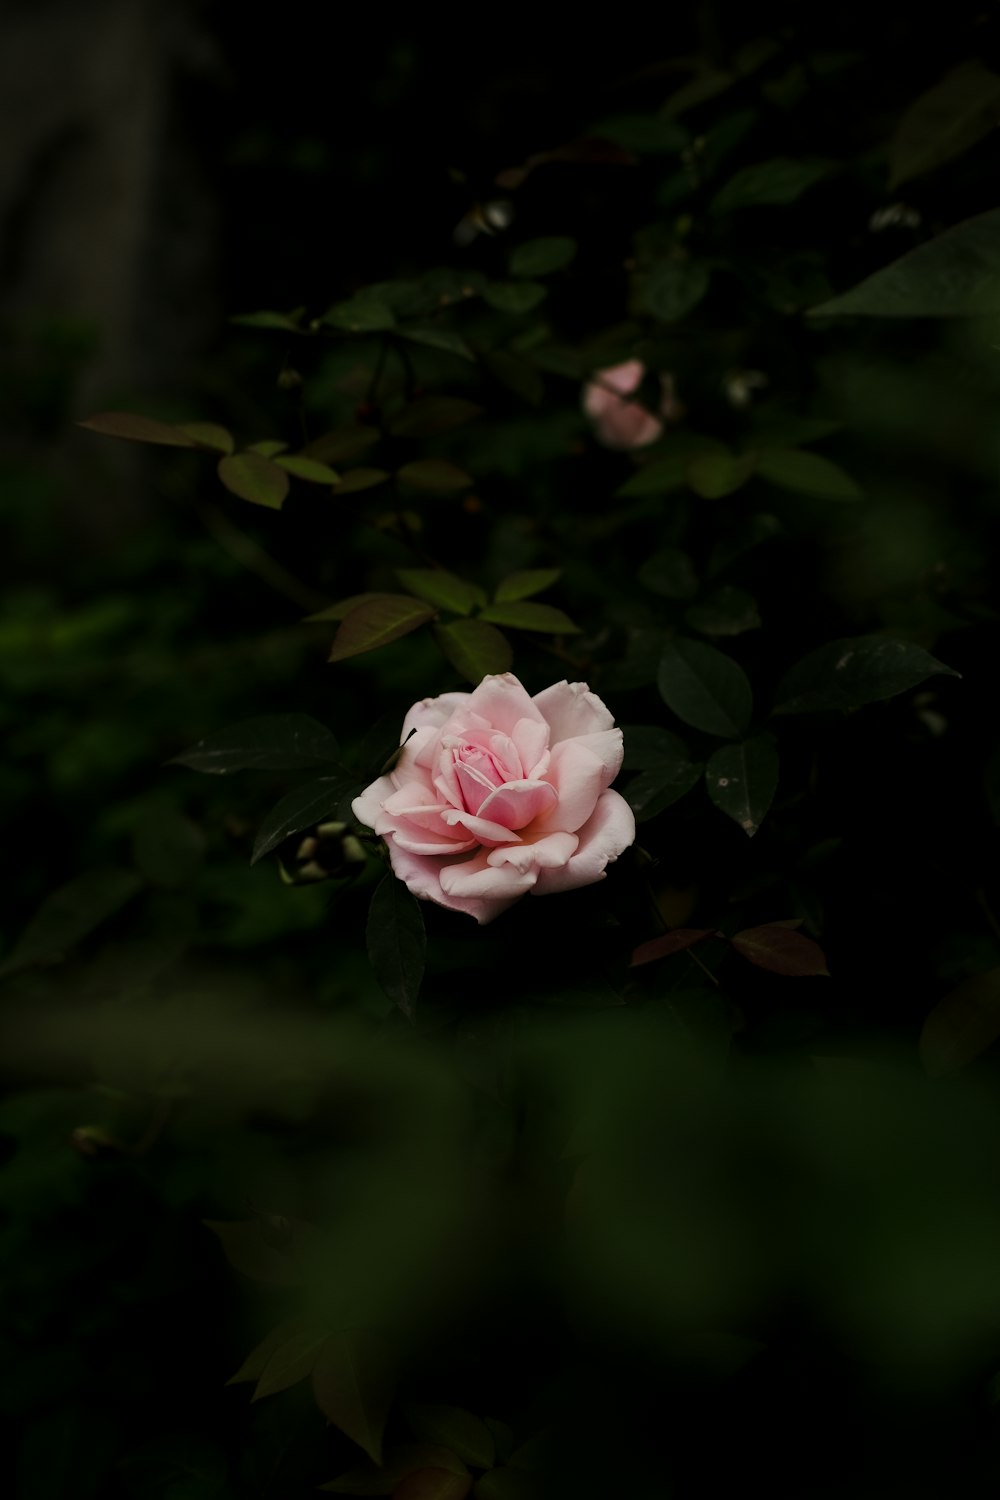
(621,422)
(497,793)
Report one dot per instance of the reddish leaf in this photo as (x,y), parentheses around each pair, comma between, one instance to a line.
(137,429)
(780,950)
(433,1484)
(962,1025)
(669,943)
(354,1380)
(377,622)
(343,607)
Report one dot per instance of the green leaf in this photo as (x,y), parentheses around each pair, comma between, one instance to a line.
(742,780)
(508,1483)
(962,1025)
(524,583)
(302,808)
(429,415)
(956,275)
(669,943)
(515,375)
(248,1251)
(354,1380)
(945,122)
(293,1359)
(126,424)
(647,746)
(397,942)
(646,135)
(673,288)
(657,478)
(727,610)
(377,622)
(361,479)
(653,791)
(856,670)
(441,588)
(253,477)
(542,257)
(474,648)
(255,1363)
(167,847)
(772,431)
(713,475)
(516,297)
(706,689)
(277,742)
(530,616)
(268,448)
(209,435)
(780,950)
(309,469)
(434,1484)
(806,474)
(289,322)
(437,474)
(69,915)
(439,338)
(183,1466)
(778,181)
(669,573)
(68,1449)
(366,312)
(401,1460)
(453,1427)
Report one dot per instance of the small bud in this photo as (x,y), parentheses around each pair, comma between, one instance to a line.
(289,379)
(328,851)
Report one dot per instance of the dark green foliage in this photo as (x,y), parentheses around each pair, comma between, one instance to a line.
(644,1187)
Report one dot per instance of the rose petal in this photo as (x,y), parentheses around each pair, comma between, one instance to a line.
(473,785)
(410,836)
(502,701)
(421,875)
(628,425)
(531,740)
(431,713)
(578,777)
(476,877)
(518,803)
(622,379)
(368,804)
(549,853)
(483,829)
(603,837)
(571,709)
(607,745)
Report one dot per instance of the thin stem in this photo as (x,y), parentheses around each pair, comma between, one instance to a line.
(253,557)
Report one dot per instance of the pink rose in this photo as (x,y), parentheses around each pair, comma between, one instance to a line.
(497,793)
(619,422)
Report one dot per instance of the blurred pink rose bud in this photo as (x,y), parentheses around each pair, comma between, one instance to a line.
(496,794)
(618,421)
